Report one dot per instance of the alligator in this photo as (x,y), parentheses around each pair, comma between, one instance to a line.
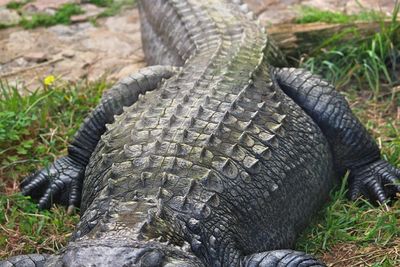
(217,154)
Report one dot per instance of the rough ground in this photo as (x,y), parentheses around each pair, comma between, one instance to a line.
(111,48)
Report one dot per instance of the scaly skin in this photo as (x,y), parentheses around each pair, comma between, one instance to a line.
(224,163)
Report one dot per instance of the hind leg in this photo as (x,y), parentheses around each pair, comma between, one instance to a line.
(62,181)
(353,148)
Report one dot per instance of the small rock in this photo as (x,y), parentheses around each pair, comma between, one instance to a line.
(62,30)
(385,6)
(21,41)
(37,57)
(68,54)
(8,17)
(328,5)
(79,18)
(20,62)
(114,45)
(50,11)
(276,16)
(125,24)
(92,10)
(84,28)
(47,6)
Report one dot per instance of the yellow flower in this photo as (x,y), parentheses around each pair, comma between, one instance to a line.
(49,80)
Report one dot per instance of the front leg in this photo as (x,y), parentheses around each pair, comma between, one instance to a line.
(353,148)
(62,181)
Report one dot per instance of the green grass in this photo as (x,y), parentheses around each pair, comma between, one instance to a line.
(5,26)
(102,3)
(16,5)
(312,14)
(62,16)
(34,130)
(343,223)
(353,58)
(113,7)
(25,229)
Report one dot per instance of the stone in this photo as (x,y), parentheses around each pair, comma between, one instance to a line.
(330,5)
(20,62)
(79,18)
(68,54)
(277,15)
(20,40)
(112,44)
(36,57)
(8,17)
(62,30)
(384,6)
(124,24)
(273,11)
(91,11)
(47,5)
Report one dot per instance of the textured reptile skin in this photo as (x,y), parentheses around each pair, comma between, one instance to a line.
(352,147)
(62,181)
(217,137)
(224,163)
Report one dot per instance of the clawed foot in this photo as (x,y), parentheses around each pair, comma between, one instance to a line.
(59,183)
(283,258)
(379,181)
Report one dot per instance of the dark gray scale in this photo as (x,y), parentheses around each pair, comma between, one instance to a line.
(149,126)
(65,177)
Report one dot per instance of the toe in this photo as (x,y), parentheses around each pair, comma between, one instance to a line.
(50,195)
(376,191)
(354,190)
(34,184)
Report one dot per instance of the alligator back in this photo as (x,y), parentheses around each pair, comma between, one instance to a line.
(217,144)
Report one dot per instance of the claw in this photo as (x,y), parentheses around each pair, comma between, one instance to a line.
(377,181)
(60,183)
(377,193)
(392,185)
(34,185)
(354,191)
(47,199)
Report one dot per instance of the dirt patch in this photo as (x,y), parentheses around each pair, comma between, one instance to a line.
(343,255)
